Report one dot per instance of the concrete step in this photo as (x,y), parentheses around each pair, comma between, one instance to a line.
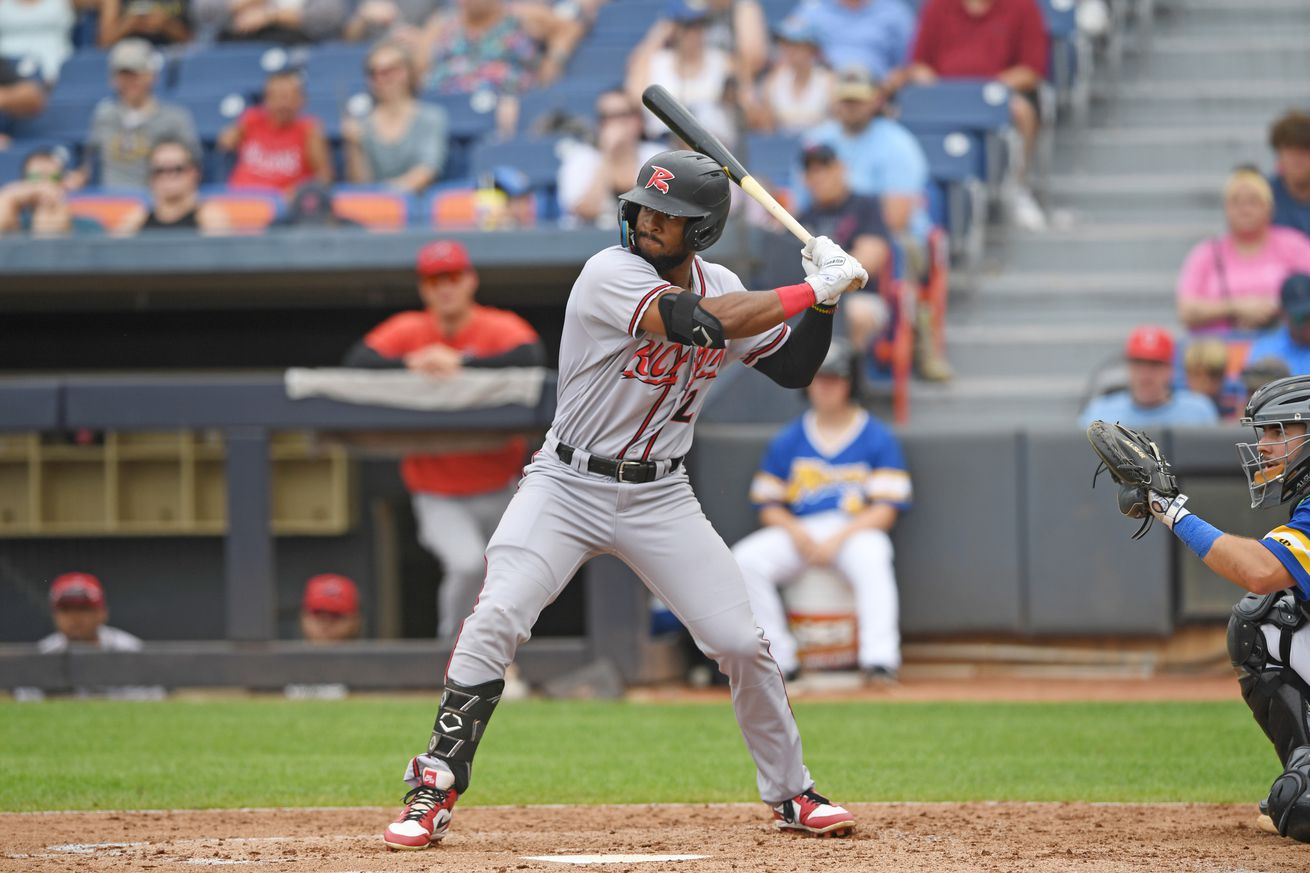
(1005,352)
(1226,56)
(980,311)
(1245,102)
(1255,17)
(1105,247)
(1162,150)
(1198,193)
(1028,400)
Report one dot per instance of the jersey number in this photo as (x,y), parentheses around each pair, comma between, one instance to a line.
(684,413)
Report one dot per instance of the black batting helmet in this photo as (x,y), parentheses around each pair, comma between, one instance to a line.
(1285,474)
(684,184)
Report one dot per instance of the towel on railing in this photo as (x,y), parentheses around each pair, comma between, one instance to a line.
(468,389)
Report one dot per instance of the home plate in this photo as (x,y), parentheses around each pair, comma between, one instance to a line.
(612,859)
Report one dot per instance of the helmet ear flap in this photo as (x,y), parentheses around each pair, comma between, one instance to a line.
(627,218)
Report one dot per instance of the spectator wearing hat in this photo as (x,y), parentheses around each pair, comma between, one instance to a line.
(401,142)
(40,30)
(873,35)
(175,195)
(125,127)
(1205,368)
(1003,40)
(882,159)
(329,610)
(1290,139)
(591,177)
(1258,373)
(693,71)
(458,497)
(37,203)
(1290,341)
(278,146)
(22,93)
(797,92)
(161,22)
(1149,400)
(1231,282)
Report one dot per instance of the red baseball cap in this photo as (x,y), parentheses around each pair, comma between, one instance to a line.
(329,592)
(443,257)
(1150,343)
(76,589)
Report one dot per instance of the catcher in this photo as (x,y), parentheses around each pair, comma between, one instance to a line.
(1268,634)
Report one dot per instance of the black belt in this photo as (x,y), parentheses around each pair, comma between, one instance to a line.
(619,471)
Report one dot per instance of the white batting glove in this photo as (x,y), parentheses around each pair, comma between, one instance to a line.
(817,252)
(1169,510)
(834,277)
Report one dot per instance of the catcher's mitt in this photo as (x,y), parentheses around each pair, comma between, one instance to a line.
(1135,464)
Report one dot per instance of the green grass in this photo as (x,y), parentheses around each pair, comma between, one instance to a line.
(268,752)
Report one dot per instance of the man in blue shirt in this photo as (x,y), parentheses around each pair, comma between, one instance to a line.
(872,34)
(1290,139)
(828,492)
(1290,342)
(1268,634)
(1149,400)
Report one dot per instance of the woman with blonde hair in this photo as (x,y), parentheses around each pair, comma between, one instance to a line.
(401,142)
(1231,282)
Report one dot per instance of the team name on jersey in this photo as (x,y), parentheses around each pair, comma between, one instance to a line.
(660,363)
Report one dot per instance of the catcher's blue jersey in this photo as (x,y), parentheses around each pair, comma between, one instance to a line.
(802,473)
(1290,544)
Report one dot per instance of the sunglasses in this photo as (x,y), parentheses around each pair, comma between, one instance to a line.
(169,169)
(45,177)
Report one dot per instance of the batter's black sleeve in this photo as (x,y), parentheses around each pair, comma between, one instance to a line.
(363,356)
(527,355)
(794,365)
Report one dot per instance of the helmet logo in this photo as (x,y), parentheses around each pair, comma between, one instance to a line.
(659,179)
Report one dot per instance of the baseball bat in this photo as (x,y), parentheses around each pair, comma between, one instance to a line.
(668,110)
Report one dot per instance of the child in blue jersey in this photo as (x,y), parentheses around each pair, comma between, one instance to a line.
(828,492)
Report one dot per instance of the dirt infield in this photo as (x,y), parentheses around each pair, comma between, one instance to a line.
(1071,838)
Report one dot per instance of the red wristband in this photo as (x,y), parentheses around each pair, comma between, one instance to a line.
(795,298)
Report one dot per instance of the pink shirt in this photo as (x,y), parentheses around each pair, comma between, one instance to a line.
(1214,269)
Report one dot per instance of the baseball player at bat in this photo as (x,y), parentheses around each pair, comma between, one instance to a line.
(647,329)
(1269,631)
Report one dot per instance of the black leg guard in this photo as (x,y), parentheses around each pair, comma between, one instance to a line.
(461,721)
(1289,798)
(1279,698)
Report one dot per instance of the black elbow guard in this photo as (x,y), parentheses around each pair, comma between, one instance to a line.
(686,322)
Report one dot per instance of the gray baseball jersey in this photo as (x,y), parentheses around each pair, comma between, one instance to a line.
(627,393)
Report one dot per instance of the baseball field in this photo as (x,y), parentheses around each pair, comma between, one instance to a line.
(944,784)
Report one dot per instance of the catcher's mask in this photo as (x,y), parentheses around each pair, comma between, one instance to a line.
(1277,464)
(684,184)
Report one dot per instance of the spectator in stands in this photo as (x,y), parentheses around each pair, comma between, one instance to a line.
(401,142)
(1290,139)
(175,195)
(38,29)
(497,45)
(513,202)
(1205,366)
(329,610)
(458,496)
(829,490)
(162,22)
(1290,342)
(874,35)
(1231,282)
(125,127)
(882,159)
(796,94)
(277,145)
(1149,400)
(1260,372)
(289,23)
(591,177)
(400,20)
(38,202)
(1003,40)
(80,613)
(693,71)
(22,94)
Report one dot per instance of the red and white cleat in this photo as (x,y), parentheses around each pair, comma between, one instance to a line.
(426,816)
(812,813)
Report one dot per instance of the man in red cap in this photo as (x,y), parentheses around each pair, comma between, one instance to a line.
(1150,399)
(458,496)
(329,612)
(77,604)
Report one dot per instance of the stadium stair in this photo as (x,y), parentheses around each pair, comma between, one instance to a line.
(1130,195)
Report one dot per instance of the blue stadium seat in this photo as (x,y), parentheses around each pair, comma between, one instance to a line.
(468,119)
(776,10)
(1061,18)
(327,108)
(61,120)
(953,156)
(624,23)
(336,69)
(773,156)
(572,96)
(84,74)
(213,113)
(223,69)
(979,105)
(607,62)
(537,157)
